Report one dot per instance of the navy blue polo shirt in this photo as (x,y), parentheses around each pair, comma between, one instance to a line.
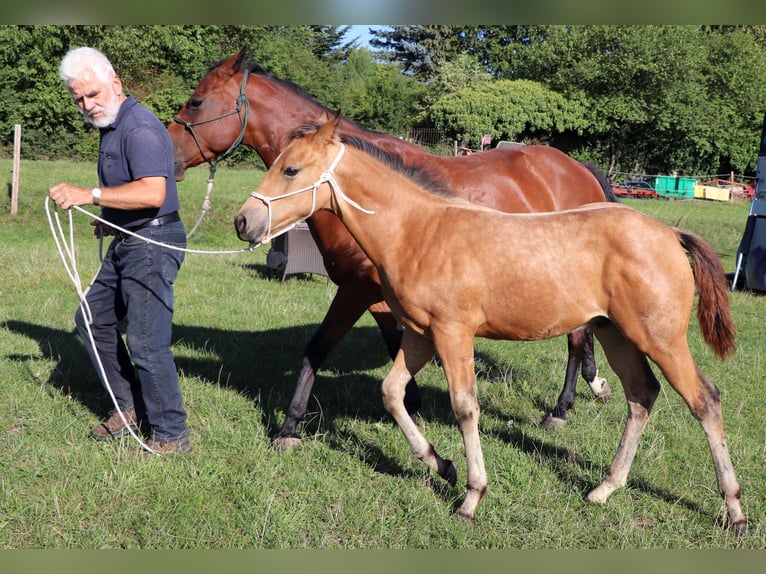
(136,145)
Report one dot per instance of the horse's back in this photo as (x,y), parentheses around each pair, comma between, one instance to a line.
(515,180)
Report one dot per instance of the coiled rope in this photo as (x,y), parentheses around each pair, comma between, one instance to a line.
(65,246)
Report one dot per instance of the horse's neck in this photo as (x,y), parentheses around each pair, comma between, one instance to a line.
(276,112)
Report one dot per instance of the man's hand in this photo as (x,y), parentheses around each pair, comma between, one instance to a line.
(101,230)
(66,195)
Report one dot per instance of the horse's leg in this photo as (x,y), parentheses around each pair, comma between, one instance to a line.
(641,389)
(702,397)
(580,352)
(557,417)
(414,352)
(347,307)
(704,402)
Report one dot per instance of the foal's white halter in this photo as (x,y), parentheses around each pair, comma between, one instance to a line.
(326,177)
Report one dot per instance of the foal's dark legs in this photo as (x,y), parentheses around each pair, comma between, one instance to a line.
(580,357)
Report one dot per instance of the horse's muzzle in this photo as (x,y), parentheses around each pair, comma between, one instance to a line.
(248,229)
(179,170)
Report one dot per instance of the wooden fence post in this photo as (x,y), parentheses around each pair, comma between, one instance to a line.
(16,167)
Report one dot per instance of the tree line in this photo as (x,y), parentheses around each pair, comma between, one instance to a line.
(634,99)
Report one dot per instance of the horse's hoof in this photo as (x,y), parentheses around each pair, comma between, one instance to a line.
(601,389)
(599,494)
(550,422)
(285,443)
(464,515)
(450,474)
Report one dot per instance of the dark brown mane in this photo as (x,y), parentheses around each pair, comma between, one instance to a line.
(418,174)
(258,70)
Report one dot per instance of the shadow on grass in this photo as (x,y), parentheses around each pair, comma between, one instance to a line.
(263,366)
(573,469)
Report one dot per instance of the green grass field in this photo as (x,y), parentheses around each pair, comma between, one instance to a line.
(239,337)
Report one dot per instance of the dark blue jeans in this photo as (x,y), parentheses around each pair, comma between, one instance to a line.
(135,283)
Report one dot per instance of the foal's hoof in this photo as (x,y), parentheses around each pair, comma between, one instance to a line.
(550,422)
(599,494)
(739,528)
(284,443)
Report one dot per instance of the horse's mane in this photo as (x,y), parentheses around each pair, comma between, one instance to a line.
(419,175)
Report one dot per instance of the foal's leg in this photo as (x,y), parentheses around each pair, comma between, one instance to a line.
(414,352)
(641,389)
(457,357)
(704,402)
(392,336)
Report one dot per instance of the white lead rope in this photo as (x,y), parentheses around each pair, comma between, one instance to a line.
(67,252)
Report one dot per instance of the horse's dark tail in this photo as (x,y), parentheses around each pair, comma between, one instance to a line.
(713,309)
(602,181)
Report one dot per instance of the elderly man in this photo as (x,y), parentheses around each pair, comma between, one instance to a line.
(137,192)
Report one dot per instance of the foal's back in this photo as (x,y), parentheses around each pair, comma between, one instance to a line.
(536,276)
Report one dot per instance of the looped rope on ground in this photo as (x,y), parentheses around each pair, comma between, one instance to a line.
(66,249)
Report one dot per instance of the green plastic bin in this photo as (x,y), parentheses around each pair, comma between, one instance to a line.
(674,186)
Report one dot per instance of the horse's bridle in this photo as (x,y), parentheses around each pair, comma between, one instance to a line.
(327,176)
(242,103)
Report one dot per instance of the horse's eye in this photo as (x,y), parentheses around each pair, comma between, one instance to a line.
(290,171)
(194,103)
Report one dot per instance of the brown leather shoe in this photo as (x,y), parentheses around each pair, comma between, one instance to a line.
(180,446)
(114,427)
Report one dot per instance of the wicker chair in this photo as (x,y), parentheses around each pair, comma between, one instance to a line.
(295,252)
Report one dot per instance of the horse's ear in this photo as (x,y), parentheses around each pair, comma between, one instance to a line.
(240,61)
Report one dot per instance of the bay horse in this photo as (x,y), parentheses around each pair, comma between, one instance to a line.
(451,271)
(236,102)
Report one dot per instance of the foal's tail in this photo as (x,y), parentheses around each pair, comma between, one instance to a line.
(713,312)
(606,187)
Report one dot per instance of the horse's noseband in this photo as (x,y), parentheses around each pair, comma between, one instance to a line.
(242,102)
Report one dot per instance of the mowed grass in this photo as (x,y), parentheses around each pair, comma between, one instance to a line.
(238,340)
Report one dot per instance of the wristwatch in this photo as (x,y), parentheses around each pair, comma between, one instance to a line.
(96,193)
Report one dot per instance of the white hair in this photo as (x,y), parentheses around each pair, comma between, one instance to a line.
(82,61)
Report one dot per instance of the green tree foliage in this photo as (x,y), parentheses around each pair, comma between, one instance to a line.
(515,110)
(159,65)
(376,95)
(657,99)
